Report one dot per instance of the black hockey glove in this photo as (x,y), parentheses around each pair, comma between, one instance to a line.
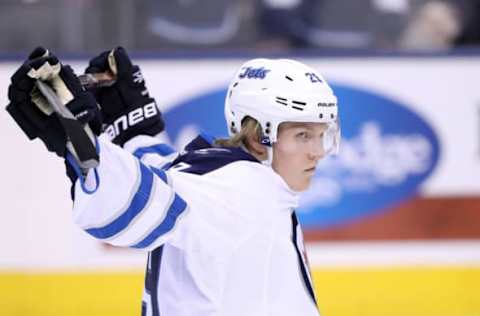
(127,108)
(34,114)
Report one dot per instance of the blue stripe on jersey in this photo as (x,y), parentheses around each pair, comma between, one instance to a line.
(160,173)
(161,149)
(138,203)
(304,268)
(152,277)
(71,161)
(177,207)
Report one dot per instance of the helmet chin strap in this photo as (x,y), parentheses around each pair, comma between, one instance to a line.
(268,144)
(268,161)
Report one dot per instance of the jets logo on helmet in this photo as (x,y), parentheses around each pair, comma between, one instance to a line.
(249,72)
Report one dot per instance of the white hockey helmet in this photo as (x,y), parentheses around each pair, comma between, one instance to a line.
(273,91)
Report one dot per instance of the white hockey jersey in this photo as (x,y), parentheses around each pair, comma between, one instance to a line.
(220,228)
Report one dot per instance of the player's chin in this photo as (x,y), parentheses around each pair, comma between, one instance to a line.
(304,184)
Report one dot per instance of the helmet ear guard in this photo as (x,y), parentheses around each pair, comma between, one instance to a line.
(276,91)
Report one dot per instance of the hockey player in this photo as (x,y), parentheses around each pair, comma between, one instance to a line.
(218,220)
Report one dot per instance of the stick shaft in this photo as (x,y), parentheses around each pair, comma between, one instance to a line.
(97,80)
(80,139)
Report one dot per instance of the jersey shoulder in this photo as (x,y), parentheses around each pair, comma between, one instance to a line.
(227,181)
(201,156)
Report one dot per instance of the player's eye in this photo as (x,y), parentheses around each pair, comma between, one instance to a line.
(303,135)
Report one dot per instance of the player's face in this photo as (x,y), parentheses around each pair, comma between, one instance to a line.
(297,151)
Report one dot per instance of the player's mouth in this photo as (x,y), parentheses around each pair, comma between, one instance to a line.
(310,170)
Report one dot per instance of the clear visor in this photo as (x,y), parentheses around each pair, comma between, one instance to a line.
(331,138)
(314,141)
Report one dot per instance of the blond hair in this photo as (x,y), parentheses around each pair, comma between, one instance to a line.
(250,127)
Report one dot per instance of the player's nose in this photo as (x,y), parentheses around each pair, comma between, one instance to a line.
(316,153)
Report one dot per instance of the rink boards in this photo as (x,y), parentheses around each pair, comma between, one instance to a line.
(416,253)
(375,291)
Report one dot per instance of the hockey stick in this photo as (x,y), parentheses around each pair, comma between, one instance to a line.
(80,139)
(97,80)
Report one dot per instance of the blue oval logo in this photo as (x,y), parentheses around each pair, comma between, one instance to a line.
(387,151)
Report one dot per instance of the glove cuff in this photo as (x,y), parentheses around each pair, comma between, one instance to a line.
(144,120)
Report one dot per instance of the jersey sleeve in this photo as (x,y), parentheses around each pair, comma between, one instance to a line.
(133,205)
(152,151)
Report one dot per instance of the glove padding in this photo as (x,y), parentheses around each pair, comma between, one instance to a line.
(127,108)
(31,110)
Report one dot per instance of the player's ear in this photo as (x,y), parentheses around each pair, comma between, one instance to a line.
(252,142)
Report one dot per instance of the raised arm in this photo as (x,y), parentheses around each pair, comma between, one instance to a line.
(126,203)
(131,117)
(122,201)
